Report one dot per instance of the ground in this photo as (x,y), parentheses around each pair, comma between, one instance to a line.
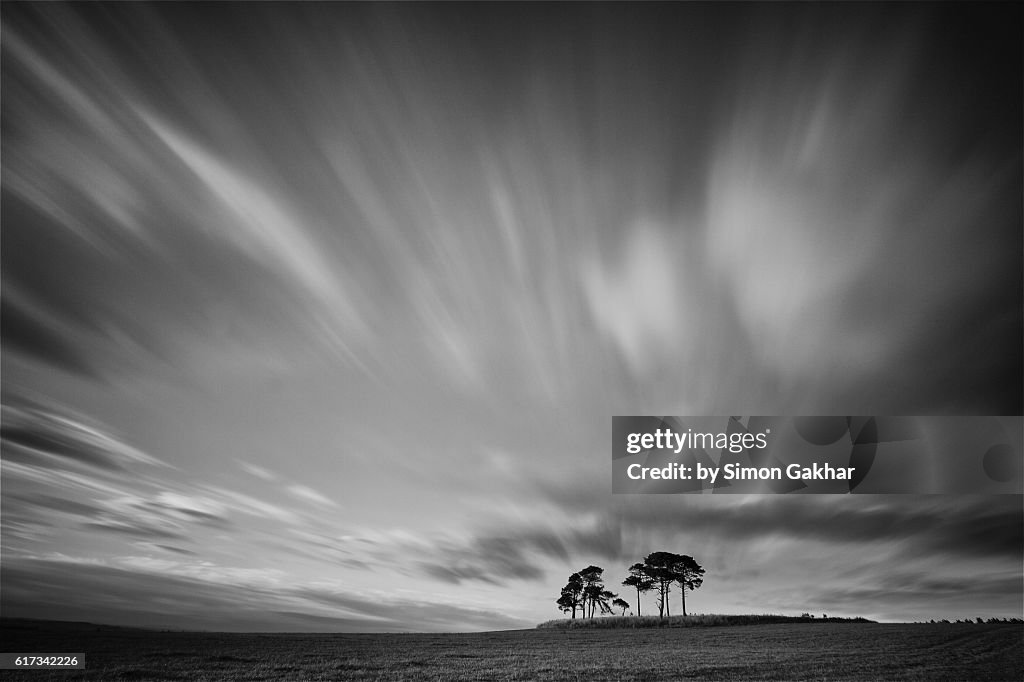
(819,651)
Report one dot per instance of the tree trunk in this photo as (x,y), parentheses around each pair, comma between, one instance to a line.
(682,593)
(638,602)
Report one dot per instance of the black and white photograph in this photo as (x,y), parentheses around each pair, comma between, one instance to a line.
(512,341)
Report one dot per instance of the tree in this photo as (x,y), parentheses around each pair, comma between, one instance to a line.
(585,591)
(621,604)
(592,588)
(572,595)
(603,600)
(639,580)
(689,575)
(665,568)
(566,603)
(660,566)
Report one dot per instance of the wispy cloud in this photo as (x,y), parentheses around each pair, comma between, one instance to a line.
(69,437)
(258,471)
(136,590)
(253,506)
(520,551)
(296,490)
(31,329)
(640,303)
(308,494)
(267,230)
(259,225)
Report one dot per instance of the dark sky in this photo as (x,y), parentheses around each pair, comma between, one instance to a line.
(315,315)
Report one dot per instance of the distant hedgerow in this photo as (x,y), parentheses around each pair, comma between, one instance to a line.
(706,620)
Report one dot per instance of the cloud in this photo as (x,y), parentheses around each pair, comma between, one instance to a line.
(262,227)
(308,494)
(59,465)
(69,437)
(59,480)
(177,550)
(488,559)
(165,515)
(843,236)
(190,508)
(115,199)
(171,594)
(135,528)
(296,490)
(521,552)
(247,504)
(639,303)
(119,503)
(989,525)
(407,614)
(90,591)
(258,471)
(786,552)
(63,505)
(901,596)
(265,229)
(28,330)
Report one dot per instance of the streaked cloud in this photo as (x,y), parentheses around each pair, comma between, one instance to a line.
(306,493)
(229,599)
(258,471)
(260,226)
(40,430)
(247,504)
(640,302)
(29,329)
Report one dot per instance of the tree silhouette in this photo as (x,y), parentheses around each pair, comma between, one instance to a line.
(660,566)
(594,593)
(621,604)
(639,580)
(591,593)
(689,576)
(572,595)
(566,603)
(603,600)
(585,591)
(665,568)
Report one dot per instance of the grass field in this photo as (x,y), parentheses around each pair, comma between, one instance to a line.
(821,651)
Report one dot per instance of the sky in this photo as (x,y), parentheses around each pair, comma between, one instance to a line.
(315,316)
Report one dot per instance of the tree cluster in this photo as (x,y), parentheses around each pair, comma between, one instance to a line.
(585,591)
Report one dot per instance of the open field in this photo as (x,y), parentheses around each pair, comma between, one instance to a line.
(822,651)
